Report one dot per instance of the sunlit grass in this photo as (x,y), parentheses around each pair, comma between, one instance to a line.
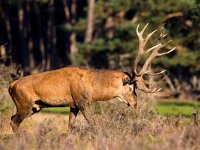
(60,110)
(186,108)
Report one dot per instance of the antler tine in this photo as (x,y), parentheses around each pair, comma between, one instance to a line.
(135,65)
(148,61)
(154,90)
(141,32)
(142,43)
(152,48)
(155,53)
(154,74)
(149,91)
(140,50)
(161,54)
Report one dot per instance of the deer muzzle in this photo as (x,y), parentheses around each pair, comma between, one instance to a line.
(133,104)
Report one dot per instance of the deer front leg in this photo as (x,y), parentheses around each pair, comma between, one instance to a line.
(83,102)
(87,114)
(72,117)
(89,118)
(83,106)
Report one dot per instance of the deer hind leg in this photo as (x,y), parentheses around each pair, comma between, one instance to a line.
(22,113)
(24,105)
(83,102)
(15,122)
(17,119)
(72,117)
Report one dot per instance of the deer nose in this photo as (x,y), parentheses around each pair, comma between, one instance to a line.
(135,106)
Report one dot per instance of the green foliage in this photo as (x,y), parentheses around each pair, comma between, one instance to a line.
(79,27)
(195,12)
(118,5)
(182,29)
(182,59)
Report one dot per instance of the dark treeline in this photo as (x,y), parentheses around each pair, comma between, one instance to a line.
(32,31)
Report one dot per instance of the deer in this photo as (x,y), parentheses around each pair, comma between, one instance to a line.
(77,87)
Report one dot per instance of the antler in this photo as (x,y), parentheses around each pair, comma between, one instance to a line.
(142,43)
(154,53)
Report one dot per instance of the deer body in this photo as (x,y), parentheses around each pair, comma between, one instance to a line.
(75,87)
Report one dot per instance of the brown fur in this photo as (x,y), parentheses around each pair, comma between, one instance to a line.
(75,87)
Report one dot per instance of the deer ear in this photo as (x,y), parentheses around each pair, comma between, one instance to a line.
(126,80)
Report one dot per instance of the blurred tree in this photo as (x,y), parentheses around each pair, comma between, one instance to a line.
(90,20)
(100,34)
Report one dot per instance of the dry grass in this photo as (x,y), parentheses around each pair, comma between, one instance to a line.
(5,103)
(118,127)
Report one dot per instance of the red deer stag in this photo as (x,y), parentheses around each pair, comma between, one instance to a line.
(78,87)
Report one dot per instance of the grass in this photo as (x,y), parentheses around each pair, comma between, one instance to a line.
(117,128)
(60,110)
(186,108)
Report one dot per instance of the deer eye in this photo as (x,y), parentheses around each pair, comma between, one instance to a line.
(130,89)
(125,81)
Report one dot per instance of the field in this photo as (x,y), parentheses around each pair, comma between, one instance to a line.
(118,127)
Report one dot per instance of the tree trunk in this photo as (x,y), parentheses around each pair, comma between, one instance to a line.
(73,47)
(28,34)
(54,62)
(5,11)
(90,21)
(71,18)
(51,38)
(39,38)
(67,11)
(67,60)
(22,44)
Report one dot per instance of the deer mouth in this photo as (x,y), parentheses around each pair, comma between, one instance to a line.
(134,105)
(127,102)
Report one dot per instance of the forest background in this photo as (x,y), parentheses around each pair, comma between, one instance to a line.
(39,35)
